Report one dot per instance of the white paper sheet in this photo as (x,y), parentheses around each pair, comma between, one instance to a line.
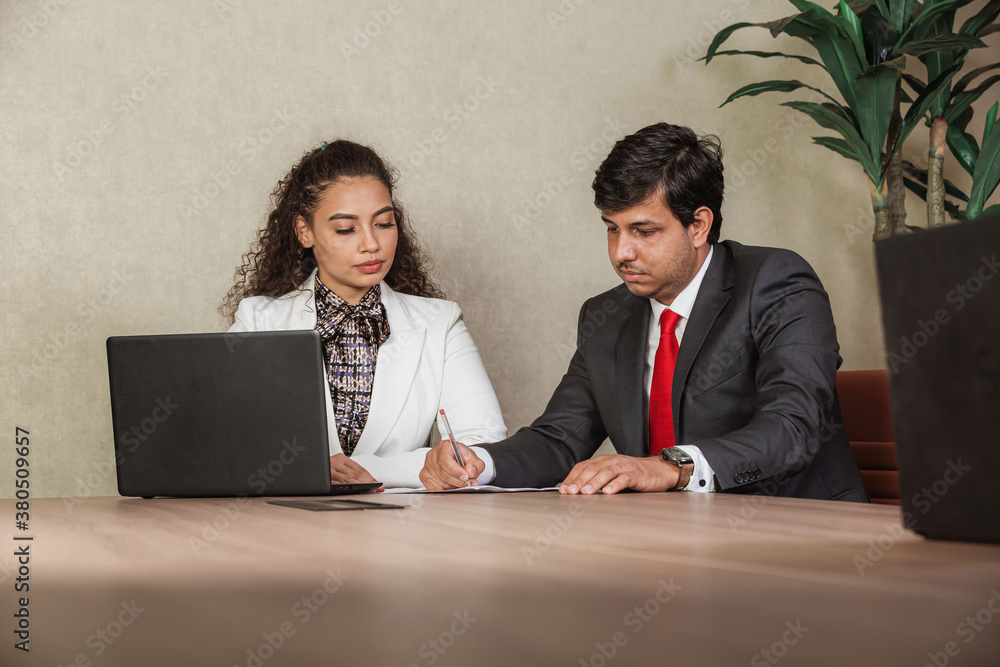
(483,488)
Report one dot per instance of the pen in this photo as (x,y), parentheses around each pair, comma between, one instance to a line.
(454,445)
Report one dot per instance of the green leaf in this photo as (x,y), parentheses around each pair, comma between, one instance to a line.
(992,210)
(876,95)
(991,119)
(948,42)
(986,15)
(963,121)
(964,82)
(834,121)
(901,13)
(959,103)
(768,54)
(880,4)
(923,103)
(803,25)
(838,146)
(771,87)
(878,35)
(926,18)
(722,36)
(853,31)
(964,147)
(987,174)
(841,63)
(896,64)
(916,84)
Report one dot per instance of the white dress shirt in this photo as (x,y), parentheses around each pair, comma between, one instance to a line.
(703,477)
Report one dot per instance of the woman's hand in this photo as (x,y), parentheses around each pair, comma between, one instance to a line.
(345,471)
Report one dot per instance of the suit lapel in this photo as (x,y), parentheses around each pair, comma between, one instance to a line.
(713,295)
(395,369)
(303,310)
(630,354)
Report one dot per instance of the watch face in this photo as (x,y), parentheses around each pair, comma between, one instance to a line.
(679,455)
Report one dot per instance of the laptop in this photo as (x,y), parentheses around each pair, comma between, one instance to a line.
(940,293)
(230,414)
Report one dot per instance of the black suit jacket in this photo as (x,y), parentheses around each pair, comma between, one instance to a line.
(754,385)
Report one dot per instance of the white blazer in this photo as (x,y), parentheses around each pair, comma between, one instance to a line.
(428,362)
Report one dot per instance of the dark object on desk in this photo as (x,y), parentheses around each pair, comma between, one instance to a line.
(335,505)
(940,294)
(864,400)
(200,415)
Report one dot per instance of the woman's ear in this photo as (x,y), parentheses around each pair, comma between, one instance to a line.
(304,232)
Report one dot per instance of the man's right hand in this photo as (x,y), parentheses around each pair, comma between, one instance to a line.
(442,471)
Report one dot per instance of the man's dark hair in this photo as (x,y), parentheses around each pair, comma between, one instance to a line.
(667,159)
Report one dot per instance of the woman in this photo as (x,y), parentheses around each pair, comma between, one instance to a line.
(336,255)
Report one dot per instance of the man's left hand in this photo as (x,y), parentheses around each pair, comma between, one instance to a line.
(614,473)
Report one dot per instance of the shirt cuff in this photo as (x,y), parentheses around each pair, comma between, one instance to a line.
(490,473)
(703,478)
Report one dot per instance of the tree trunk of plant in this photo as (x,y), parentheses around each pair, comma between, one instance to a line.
(935,172)
(880,205)
(894,171)
(897,194)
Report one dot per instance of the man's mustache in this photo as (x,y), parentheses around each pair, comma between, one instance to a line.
(631,268)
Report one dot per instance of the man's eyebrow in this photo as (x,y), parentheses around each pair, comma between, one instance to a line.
(636,223)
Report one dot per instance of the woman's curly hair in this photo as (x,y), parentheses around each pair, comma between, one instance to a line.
(277,263)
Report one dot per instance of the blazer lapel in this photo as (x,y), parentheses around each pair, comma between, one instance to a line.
(303,311)
(713,295)
(395,370)
(630,353)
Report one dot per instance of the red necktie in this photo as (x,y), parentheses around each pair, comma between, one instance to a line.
(661,416)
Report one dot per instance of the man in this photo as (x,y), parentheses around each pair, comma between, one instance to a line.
(711,369)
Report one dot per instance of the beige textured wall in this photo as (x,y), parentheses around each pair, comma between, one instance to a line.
(120,120)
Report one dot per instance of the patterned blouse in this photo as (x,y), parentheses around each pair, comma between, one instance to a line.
(351,336)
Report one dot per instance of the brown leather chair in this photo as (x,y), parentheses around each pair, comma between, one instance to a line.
(864,399)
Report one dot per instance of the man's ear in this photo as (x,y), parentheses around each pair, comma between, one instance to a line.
(702,225)
(303,232)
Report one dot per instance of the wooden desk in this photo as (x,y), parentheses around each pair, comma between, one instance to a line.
(650,579)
